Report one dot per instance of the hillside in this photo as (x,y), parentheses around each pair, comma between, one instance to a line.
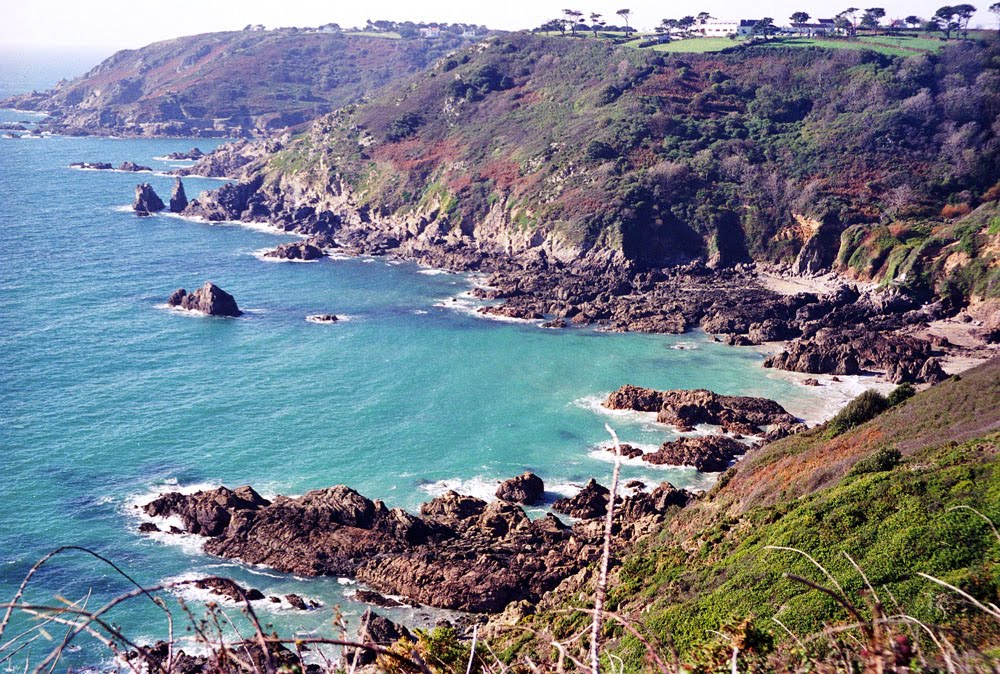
(816,158)
(237,83)
(893,493)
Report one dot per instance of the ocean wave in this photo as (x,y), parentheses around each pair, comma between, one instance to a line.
(260,254)
(341,318)
(255,226)
(480,487)
(818,404)
(685,346)
(434,272)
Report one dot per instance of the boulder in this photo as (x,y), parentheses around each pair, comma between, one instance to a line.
(709,453)
(92,166)
(296,250)
(132,167)
(210,299)
(230,589)
(178,199)
(379,631)
(590,502)
(192,154)
(146,200)
(526,488)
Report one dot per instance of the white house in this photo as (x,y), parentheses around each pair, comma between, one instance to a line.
(723,28)
(430,31)
(819,27)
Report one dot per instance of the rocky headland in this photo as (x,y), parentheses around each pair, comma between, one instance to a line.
(459,553)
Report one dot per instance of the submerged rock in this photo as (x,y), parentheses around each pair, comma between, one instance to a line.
(527,489)
(192,154)
(92,166)
(209,299)
(146,201)
(322,318)
(178,199)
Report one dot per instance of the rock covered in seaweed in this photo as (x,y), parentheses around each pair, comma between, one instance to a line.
(210,299)
(146,201)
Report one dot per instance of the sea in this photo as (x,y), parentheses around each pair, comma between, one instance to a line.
(107,397)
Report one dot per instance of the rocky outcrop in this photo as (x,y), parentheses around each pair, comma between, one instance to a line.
(526,488)
(230,589)
(132,167)
(709,453)
(146,201)
(296,250)
(377,630)
(856,351)
(164,657)
(192,154)
(686,408)
(588,503)
(460,553)
(210,299)
(178,198)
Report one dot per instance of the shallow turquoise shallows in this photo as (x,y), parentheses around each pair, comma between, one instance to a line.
(105,395)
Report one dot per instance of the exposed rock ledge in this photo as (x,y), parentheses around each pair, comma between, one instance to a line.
(461,553)
(210,299)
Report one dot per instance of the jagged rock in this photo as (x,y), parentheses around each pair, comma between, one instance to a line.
(296,250)
(810,381)
(555,323)
(376,599)
(297,602)
(322,318)
(192,154)
(210,299)
(230,589)
(178,199)
(591,502)
(252,660)
(508,311)
(132,167)
(146,200)
(452,509)
(149,528)
(709,454)
(686,408)
(378,630)
(526,488)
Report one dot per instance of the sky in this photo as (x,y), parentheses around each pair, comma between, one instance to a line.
(119,24)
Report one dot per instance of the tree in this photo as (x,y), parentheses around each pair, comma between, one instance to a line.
(625,14)
(946,19)
(703,17)
(914,21)
(850,20)
(995,8)
(871,18)
(595,22)
(573,17)
(800,17)
(765,27)
(685,23)
(963,14)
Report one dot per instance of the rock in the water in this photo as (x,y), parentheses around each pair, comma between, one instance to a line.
(92,166)
(297,602)
(210,299)
(178,199)
(322,318)
(146,201)
(192,154)
(810,381)
(527,489)
(377,630)
(297,250)
(230,589)
(709,454)
(376,599)
(686,408)
(132,167)
(592,501)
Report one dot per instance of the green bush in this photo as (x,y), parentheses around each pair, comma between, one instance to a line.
(901,394)
(884,459)
(864,408)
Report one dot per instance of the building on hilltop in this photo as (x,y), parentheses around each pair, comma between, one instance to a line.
(811,29)
(723,28)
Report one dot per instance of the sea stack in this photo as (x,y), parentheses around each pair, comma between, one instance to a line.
(147,201)
(210,299)
(178,199)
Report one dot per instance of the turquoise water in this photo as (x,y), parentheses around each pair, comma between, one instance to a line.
(106,396)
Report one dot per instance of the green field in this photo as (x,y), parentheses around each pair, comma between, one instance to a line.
(905,42)
(693,45)
(367,33)
(903,48)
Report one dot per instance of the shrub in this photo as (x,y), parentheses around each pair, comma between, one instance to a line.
(864,408)
(900,394)
(955,210)
(884,459)
(599,151)
(404,127)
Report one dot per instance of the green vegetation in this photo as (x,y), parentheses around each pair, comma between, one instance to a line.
(647,152)
(896,494)
(864,408)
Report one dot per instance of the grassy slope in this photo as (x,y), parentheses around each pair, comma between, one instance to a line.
(285,75)
(654,154)
(709,569)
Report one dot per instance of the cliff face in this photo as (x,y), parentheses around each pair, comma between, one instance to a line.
(871,166)
(229,84)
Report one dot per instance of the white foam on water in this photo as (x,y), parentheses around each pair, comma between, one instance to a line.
(123,209)
(480,487)
(133,508)
(820,403)
(434,272)
(685,346)
(420,312)
(341,318)
(261,254)
(255,226)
